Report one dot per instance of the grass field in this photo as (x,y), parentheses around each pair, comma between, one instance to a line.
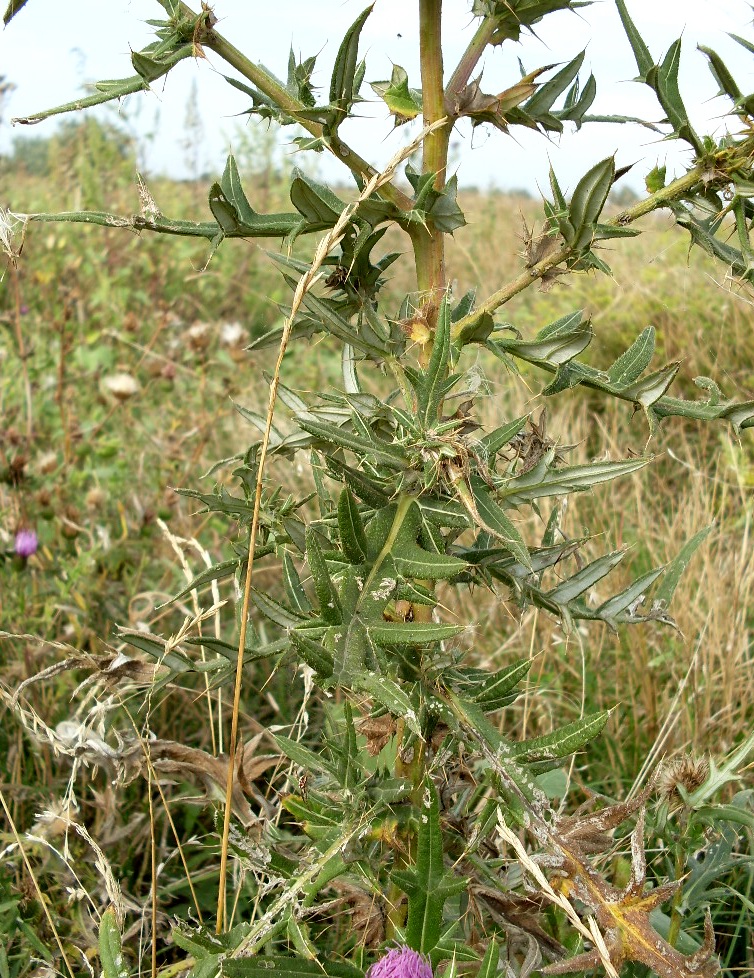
(121,359)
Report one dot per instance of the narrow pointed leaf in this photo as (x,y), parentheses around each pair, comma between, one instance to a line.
(644,60)
(623,601)
(327,595)
(496,520)
(309,760)
(631,364)
(677,566)
(437,369)
(389,694)
(351,529)
(585,578)
(588,200)
(342,88)
(110,947)
(544,98)
(411,633)
(275,610)
(561,742)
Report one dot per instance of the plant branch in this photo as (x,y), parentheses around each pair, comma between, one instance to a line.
(675,190)
(469,60)
(271,87)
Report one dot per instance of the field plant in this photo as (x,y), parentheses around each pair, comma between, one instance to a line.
(374,810)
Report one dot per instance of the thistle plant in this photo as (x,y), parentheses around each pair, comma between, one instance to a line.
(405,803)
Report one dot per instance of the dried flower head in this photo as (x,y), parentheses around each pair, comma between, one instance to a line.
(684,771)
(401,962)
(26,543)
(122,386)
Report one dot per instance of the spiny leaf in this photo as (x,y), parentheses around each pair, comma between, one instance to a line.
(563,741)
(543,99)
(495,520)
(631,364)
(585,578)
(588,200)
(342,83)
(644,60)
(329,603)
(389,694)
(403,102)
(411,633)
(279,966)
(389,454)
(431,390)
(675,569)
(427,885)
(309,760)
(352,536)
(12,9)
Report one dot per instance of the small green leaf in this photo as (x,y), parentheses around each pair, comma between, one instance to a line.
(675,569)
(411,560)
(280,966)
(588,200)
(496,521)
(389,694)
(619,603)
(488,967)
(651,388)
(585,578)
(316,202)
(381,451)
(497,439)
(12,9)
(313,653)
(329,602)
(217,572)
(343,87)
(428,884)
(432,385)
(293,587)
(110,948)
(352,536)
(411,633)
(631,364)
(403,102)
(562,742)
(303,757)
(275,610)
(544,98)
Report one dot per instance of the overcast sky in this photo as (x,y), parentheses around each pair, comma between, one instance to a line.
(52,49)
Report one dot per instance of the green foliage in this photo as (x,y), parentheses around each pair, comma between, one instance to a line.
(404,777)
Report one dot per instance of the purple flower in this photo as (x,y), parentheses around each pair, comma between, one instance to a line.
(401,962)
(26,543)
(24,310)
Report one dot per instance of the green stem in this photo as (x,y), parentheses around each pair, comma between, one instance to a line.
(428,242)
(469,60)
(674,191)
